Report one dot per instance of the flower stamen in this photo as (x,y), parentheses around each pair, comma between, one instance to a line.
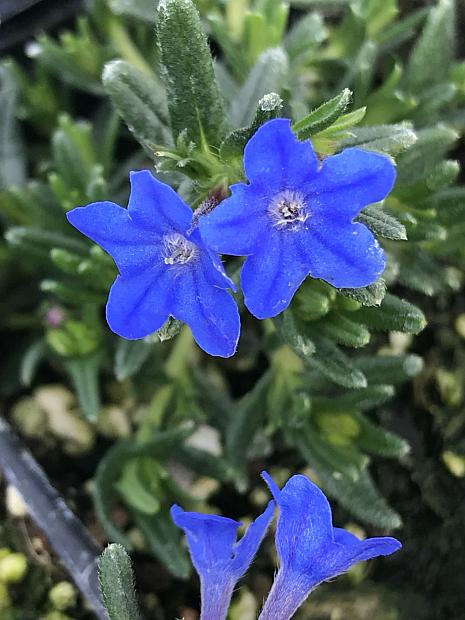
(177,250)
(288,210)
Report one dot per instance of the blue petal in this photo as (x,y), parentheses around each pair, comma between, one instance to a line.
(350,181)
(139,305)
(276,159)
(210,312)
(343,537)
(212,266)
(340,557)
(111,227)
(238,224)
(247,547)
(155,206)
(345,256)
(304,524)
(271,276)
(211,539)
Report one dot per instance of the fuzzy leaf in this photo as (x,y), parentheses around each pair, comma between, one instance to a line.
(432,55)
(334,364)
(393,369)
(371,295)
(324,116)
(194,101)
(267,76)
(394,314)
(391,139)
(269,107)
(343,330)
(382,224)
(140,101)
(12,162)
(143,10)
(376,440)
(117,584)
(359,495)
(305,36)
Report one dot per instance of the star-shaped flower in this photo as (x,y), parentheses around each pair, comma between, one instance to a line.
(295,218)
(219,560)
(165,267)
(310,549)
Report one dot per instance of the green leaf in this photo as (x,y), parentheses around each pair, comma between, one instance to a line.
(84,373)
(194,101)
(269,107)
(143,10)
(249,417)
(334,364)
(109,470)
(136,488)
(367,398)
(341,328)
(267,76)
(421,272)
(376,440)
(318,352)
(324,116)
(432,55)
(117,584)
(393,314)
(371,295)
(140,101)
(344,460)
(311,303)
(382,224)
(31,360)
(130,356)
(391,139)
(358,495)
(305,36)
(291,331)
(393,369)
(12,162)
(164,541)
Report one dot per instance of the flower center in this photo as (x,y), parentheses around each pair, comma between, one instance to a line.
(177,250)
(288,210)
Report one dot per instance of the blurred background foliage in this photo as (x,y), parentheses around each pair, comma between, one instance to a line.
(362,389)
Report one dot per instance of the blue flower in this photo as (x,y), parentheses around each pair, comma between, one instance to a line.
(310,549)
(295,218)
(219,560)
(165,268)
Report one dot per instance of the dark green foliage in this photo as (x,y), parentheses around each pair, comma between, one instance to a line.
(313,388)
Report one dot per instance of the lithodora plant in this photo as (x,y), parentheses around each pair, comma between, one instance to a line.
(311,155)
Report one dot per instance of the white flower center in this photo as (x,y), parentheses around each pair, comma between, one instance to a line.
(288,210)
(177,250)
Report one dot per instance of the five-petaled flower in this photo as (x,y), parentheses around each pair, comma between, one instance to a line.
(295,218)
(165,267)
(310,549)
(219,560)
